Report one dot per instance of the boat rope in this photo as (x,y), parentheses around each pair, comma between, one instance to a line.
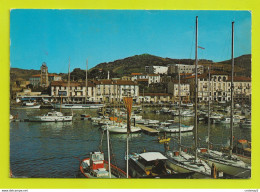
(113,158)
(101,141)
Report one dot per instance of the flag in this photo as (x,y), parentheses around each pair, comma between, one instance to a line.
(128,101)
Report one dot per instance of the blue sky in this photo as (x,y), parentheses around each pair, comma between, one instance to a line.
(54,36)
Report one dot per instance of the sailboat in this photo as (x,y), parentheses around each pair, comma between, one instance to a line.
(227,163)
(181,161)
(86,105)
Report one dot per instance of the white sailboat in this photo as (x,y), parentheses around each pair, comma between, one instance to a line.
(181,161)
(227,163)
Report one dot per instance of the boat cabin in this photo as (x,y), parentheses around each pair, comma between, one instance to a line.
(153,163)
(97,164)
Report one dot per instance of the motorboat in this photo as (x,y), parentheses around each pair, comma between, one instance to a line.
(30,105)
(174,128)
(53,116)
(227,120)
(151,164)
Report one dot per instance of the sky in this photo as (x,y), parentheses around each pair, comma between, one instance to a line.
(60,37)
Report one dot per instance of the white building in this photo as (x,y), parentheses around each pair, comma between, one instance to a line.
(173,89)
(154,78)
(183,68)
(98,91)
(220,87)
(156,69)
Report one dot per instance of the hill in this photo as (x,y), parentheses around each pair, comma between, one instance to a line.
(25,74)
(137,63)
(243,62)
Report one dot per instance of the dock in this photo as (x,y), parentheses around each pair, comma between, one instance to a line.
(147,129)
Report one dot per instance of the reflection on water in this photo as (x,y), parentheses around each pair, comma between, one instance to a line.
(52,149)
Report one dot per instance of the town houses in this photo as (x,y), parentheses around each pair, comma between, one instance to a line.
(218,88)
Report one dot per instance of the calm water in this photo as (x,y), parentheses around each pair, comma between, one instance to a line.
(53,150)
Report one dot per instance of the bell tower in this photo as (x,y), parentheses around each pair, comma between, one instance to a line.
(44,75)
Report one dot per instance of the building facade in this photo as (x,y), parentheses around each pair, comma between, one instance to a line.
(44,78)
(98,91)
(183,68)
(156,69)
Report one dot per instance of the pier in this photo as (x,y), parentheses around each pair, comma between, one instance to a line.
(147,129)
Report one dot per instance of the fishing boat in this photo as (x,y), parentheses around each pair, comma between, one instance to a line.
(96,167)
(180,161)
(151,164)
(229,164)
(53,116)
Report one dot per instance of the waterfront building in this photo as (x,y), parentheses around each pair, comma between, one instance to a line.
(105,90)
(154,97)
(44,78)
(183,68)
(115,90)
(220,87)
(28,95)
(156,69)
(173,89)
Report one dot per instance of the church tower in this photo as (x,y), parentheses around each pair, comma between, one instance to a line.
(44,75)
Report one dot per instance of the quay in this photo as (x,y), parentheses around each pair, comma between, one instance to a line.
(147,129)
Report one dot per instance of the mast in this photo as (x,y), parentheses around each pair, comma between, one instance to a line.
(179,92)
(86,82)
(108,153)
(196,90)
(232,89)
(209,109)
(69,82)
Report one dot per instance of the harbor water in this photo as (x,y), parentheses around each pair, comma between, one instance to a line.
(54,149)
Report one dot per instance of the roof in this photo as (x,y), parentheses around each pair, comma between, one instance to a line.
(153,75)
(142,80)
(136,73)
(152,156)
(50,74)
(239,79)
(116,82)
(72,84)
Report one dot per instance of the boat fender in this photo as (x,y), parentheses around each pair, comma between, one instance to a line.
(213,171)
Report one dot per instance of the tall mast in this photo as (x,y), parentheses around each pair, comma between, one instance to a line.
(86,82)
(179,92)
(232,89)
(196,90)
(209,108)
(69,82)
(108,153)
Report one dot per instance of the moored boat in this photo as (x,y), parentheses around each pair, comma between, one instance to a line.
(53,116)
(96,167)
(151,164)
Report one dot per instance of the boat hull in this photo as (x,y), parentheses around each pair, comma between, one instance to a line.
(50,119)
(239,172)
(77,106)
